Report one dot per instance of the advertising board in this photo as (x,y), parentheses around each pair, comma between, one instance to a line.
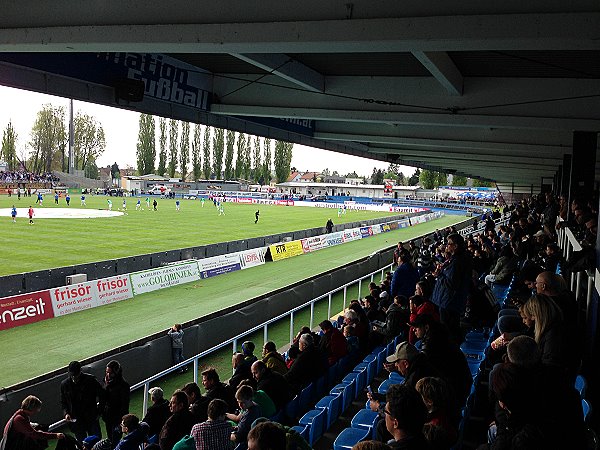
(25,308)
(171,275)
(286,250)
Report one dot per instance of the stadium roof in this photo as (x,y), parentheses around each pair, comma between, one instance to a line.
(482,89)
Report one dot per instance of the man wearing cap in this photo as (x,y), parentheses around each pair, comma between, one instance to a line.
(79,395)
(158,412)
(411,364)
(332,343)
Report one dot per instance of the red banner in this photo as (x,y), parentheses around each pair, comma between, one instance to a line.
(25,308)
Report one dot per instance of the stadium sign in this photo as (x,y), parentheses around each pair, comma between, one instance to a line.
(25,308)
(171,275)
(286,250)
(218,265)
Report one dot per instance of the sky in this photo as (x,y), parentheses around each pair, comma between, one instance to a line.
(121,129)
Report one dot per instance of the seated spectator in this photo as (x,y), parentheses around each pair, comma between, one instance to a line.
(273,359)
(395,323)
(158,412)
(215,432)
(405,415)
(351,341)
(371,306)
(241,370)
(271,383)
(179,424)
(248,351)
(292,354)
(333,343)
(267,436)
(217,389)
(307,367)
(442,411)
(419,305)
(260,397)
(250,411)
(136,433)
(198,403)
(506,265)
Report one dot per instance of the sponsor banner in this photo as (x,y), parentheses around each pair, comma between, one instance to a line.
(113,289)
(25,308)
(171,275)
(393,225)
(376,229)
(334,238)
(244,200)
(385,228)
(73,298)
(252,258)
(352,234)
(286,250)
(218,265)
(285,202)
(366,231)
(314,243)
(403,223)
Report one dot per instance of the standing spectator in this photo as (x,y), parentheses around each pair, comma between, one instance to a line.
(179,424)
(79,395)
(158,412)
(19,433)
(116,399)
(329,226)
(215,432)
(405,277)
(452,286)
(176,335)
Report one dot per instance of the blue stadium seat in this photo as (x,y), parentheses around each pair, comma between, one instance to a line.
(302,430)
(292,409)
(367,419)
(396,377)
(474,350)
(354,377)
(316,420)
(332,374)
(587,410)
(347,390)
(380,359)
(581,385)
(320,386)
(349,437)
(474,366)
(306,397)
(361,372)
(332,404)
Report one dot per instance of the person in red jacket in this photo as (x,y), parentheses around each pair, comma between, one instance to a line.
(19,427)
(333,343)
(418,306)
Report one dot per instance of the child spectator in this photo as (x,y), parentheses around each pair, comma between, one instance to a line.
(176,335)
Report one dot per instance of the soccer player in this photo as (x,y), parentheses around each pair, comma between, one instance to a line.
(177,205)
(256,214)
(30,213)
(202,201)
(148,203)
(13,214)
(124,205)
(339,211)
(68,199)
(41,199)
(109,204)
(56,198)
(83,200)
(138,205)
(154,203)
(221,209)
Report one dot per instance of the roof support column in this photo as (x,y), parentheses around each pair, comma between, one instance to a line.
(583,164)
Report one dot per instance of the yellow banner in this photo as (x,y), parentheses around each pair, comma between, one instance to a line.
(286,250)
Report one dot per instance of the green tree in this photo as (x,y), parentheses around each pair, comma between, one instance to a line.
(184,150)
(247,158)
(482,183)
(414,178)
(9,147)
(206,150)
(257,153)
(146,145)
(230,145)
(89,142)
(240,150)
(427,179)
(442,179)
(377,176)
(91,170)
(173,147)
(266,175)
(401,179)
(115,172)
(392,172)
(48,140)
(459,180)
(283,160)
(196,157)
(218,150)
(162,144)
(352,174)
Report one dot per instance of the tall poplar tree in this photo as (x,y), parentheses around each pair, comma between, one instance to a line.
(206,165)
(229,148)
(257,163)
(248,158)
(196,149)
(218,150)
(162,147)
(240,150)
(48,140)
(9,147)
(267,162)
(146,145)
(283,160)
(173,147)
(184,149)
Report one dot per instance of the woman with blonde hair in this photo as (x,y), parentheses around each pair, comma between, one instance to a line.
(19,431)
(545,316)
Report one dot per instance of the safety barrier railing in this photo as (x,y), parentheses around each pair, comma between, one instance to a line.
(582,282)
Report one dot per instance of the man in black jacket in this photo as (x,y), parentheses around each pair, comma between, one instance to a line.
(308,366)
(79,395)
(158,412)
(115,403)
(271,383)
(179,424)
(216,389)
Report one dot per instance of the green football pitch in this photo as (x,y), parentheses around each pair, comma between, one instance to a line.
(51,243)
